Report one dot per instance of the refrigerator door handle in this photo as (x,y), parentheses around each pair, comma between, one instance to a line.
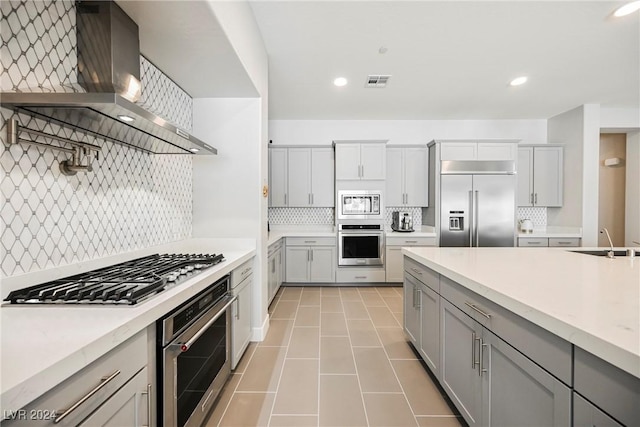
(471,219)
(475,220)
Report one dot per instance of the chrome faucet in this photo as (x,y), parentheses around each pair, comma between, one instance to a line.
(610,254)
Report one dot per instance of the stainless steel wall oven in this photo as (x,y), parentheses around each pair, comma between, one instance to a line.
(360,244)
(193,351)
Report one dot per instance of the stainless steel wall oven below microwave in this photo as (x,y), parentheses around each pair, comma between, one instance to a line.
(360,244)
(193,352)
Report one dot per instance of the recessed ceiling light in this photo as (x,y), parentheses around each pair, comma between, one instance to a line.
(518,81)
(125,118)
(627,9)
(194,150)
(340,81)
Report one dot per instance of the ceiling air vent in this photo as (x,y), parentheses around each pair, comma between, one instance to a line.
(377,80)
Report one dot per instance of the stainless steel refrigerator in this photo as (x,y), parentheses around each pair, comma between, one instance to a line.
(477,203)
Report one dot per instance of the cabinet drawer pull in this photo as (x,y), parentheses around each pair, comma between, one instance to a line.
(360,277)
(564,243)
(473,307)
(411,241)
(311,241)
(415,270)
(533,243)
(103,382)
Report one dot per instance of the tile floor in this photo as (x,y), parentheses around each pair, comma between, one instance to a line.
(333,356)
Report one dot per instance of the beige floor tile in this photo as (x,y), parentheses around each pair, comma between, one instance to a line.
(399,318)
(225,396)
(244,360)
(350,294)
(273,305)
(308,316)
(263,372)
(298,389)
(310,298)
(278,334)
(387,291)
(395,343)
(341,401)
(373,299)
(355,310)
(388,410)
(439,421)
(393,302)
(293,421)
(382,317)
(291,293)
(285,310)
(330,291)
(363,333)
(399,290)
(331,304)
(336,356)
(304,343)
(374,370)
(248,409)
(333,324)
(423,396)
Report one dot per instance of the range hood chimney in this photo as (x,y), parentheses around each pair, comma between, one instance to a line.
(109,72)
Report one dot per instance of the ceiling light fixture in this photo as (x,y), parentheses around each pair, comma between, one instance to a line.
(340,81)
(193,150)
(518,81)
(627,9)
(126,118)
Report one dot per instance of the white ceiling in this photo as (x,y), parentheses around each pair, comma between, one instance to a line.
(448,59)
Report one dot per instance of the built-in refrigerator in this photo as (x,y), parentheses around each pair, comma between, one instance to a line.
(477,203)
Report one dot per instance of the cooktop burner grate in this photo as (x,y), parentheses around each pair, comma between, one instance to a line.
(126,283)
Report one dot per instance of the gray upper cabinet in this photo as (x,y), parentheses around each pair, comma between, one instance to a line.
(360,160)
(407,175)
(301,177)
(540,176)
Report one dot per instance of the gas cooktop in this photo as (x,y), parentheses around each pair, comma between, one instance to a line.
(127,283)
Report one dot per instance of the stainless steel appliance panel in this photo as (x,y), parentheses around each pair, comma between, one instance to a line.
(455,210)
(359,204)
(495,217)
(361,247)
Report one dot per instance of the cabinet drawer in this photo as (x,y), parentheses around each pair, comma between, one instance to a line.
(614,391)
(568,242)
(360,275)
(311,241)
(410,241)
(274,247)
(546,349)
(422,273)
(541,242)
(241,273)
(113,370)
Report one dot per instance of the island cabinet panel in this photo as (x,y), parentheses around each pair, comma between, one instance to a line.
(541,346)
(614,391)
(586,414)
(429,346)
(411,309)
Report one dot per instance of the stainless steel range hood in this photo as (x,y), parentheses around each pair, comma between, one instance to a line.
(109,72)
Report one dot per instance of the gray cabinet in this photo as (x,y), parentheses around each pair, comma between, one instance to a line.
(278,177)
(411,309)
(310,260)
(360,160)
(429,346)
(275,265)
(393,254)
(540,175)
(585,414)
(241,287)
(407,176)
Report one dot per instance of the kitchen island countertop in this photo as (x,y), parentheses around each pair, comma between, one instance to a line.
(592,302)
(42,345)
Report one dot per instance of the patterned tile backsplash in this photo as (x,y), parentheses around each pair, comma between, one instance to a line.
(301,216)
(535,214)
(131,200)
(416,214)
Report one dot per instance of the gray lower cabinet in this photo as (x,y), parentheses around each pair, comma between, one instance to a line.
(429,346)
(311,264)
(491,383)
(411,309)
(275,275)
(585,414)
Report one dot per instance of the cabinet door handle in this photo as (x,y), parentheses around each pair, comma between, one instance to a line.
(149,410)
(312,202)
(531,198)
(481,349)
(362,166)
(473,350)
(417,298)
(285,198)
(535,199)
(473,307)
(311,254)
(309,198)
(103,382)
(308,254)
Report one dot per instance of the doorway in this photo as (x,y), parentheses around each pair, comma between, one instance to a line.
(612,188)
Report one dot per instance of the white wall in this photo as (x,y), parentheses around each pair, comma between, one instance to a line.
(619,118)
(238,23)
(632,196)
(322,132)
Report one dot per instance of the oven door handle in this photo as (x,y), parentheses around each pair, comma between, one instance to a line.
(228,300)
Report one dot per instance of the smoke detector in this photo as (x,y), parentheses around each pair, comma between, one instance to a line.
(377,80)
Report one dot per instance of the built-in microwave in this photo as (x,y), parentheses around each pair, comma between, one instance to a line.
(359,204)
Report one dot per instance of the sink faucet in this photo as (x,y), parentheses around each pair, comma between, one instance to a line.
(610,254)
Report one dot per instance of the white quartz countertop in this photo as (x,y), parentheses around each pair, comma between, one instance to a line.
(552,231)
(592,302)
(43,345)
(421,231)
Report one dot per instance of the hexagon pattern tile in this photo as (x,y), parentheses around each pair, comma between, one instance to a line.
(537,215)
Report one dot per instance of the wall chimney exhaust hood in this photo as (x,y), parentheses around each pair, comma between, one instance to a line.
(109,72)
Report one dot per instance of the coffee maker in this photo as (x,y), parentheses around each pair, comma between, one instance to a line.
(401,221)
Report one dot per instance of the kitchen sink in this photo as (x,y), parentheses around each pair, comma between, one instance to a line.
(603,252)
